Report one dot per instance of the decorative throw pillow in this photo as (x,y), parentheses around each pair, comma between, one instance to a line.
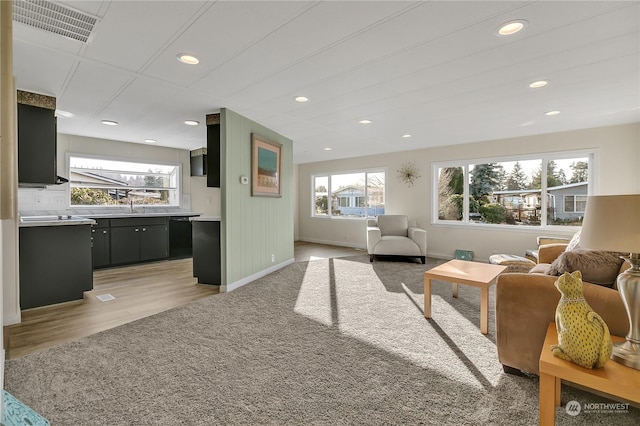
(597,266)
(574,243)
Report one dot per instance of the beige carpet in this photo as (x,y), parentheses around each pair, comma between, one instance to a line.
(339,341)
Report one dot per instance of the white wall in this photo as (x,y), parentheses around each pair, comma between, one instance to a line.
(615,169)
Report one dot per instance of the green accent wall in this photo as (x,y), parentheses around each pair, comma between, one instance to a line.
(252,228)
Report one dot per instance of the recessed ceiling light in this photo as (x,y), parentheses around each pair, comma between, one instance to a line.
(110,122)
(406,136)
(512,27)
(191,122)
(150,141)
(554,112)
(327,149)
(65,114)
(365,121)
(301,99)
(538,84)
(188,59)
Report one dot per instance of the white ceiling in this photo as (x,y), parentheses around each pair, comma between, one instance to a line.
(435,70)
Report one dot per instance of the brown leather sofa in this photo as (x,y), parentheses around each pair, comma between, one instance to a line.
(526,304)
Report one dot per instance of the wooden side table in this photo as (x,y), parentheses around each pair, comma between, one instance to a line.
(475,274)
(614,378)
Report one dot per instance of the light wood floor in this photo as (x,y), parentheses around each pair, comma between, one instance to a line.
(139,291)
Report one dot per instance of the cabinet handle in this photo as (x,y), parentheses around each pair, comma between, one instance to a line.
(137,229)
(104,232)
(144,229)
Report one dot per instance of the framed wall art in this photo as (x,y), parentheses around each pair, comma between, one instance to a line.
(265,167)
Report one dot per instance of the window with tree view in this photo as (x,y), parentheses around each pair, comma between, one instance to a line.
(349,195)
(106,182)
(535,192)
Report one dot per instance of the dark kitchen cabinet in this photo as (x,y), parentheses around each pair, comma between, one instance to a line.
(139,239)
(199,165)
(36,145)
(206,252)
(55,264)
(125,245)
(101,243)
(154,242)
(213,155)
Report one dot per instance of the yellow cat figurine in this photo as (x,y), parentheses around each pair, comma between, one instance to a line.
(583,337)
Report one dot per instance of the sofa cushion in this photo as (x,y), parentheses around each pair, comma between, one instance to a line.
(597,266)
(393,225)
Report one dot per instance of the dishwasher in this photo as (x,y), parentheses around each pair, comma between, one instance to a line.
(180,238)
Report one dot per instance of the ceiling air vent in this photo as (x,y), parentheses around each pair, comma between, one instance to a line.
(54,18)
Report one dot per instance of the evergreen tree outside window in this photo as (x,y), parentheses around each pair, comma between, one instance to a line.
(511,191)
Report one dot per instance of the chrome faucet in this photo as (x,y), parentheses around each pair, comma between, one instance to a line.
(131,205)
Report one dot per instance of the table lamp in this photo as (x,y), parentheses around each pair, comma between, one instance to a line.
(612,223)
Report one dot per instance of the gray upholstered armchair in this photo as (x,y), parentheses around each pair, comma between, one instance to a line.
(391,235)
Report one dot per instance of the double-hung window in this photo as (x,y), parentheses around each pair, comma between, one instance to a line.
(348,195)
(539,190)
(110,182)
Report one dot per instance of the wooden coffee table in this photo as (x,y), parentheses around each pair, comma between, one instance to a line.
(614,378)
(464,272)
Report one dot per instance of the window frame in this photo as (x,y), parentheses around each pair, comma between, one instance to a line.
(329,175)
(545,157)
(178,172)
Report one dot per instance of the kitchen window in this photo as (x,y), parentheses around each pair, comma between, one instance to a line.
(98,181)
(348,195)
(536,190)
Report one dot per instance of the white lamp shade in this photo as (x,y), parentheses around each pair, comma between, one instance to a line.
(612,223)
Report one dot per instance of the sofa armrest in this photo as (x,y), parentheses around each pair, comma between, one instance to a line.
(526,304)
(373,237)
(542,240)
(419,236)
(547,253)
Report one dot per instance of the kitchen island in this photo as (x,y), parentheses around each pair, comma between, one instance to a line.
(206,250)
(55,260)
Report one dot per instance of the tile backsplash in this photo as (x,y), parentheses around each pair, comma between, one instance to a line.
(54,200)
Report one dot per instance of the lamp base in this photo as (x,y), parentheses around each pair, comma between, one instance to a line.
(627,353)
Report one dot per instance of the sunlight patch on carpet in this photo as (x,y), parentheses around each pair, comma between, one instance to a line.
(314,297)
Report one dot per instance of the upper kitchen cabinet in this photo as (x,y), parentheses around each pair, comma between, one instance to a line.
(199,162)
(213,150)
(37,164)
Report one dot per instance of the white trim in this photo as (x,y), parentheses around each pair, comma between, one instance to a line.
(11,319)
(246,280)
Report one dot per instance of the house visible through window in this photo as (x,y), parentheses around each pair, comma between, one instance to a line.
(549,190)
(352,195)
(107,182)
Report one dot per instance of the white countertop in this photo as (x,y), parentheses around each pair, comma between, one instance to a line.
(58,220)
(205,219)
(61,220)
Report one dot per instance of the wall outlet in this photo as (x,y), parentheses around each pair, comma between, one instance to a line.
(273,258)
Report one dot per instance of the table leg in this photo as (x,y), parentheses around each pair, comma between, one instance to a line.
(454,287)
(427,297)
(484,309)
(547,399)
(558,391)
